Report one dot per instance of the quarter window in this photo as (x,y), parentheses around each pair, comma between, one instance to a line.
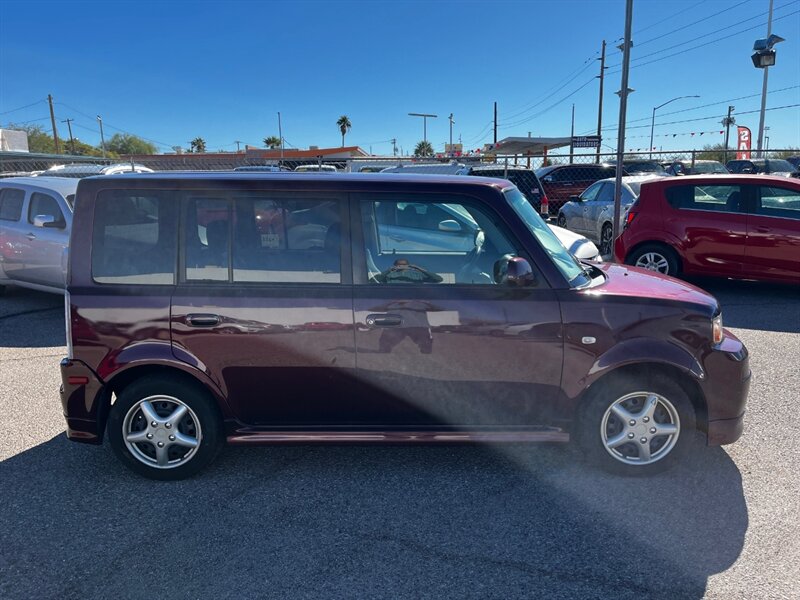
(134,239)
(11,200)
(779,202)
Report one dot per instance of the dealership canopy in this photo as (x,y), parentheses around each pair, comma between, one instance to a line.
(527,145)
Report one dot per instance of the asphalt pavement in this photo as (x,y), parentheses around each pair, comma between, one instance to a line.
(400,522)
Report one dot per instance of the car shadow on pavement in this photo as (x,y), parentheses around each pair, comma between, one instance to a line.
(30,319)
(344,521)
(756,305)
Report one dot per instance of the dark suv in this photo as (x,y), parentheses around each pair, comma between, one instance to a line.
(286,308)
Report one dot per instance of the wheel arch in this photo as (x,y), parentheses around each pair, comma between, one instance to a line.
(687,381)
(671,247)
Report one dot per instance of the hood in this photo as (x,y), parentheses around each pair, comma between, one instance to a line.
(578,245)
(623,280)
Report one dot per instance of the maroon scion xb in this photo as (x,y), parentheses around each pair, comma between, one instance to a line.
(245,308)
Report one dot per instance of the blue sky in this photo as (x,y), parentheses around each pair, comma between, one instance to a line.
(172,71)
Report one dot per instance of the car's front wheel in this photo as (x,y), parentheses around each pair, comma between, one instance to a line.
(606,239)
(561,221)
(637,425)
(165,428)
(657,258)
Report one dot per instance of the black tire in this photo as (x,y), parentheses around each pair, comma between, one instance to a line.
(606,239)
(592,424)
(2,290)
(202,408)
(670,258)
(561,221)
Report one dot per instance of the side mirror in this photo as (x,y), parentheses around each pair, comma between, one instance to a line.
(44,221)
(449,226)
(575,199)
(514,271)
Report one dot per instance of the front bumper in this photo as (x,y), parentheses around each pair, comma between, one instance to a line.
(726,386)
(81,391)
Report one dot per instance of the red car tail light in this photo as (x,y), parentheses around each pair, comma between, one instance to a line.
(544,208)
(629,218)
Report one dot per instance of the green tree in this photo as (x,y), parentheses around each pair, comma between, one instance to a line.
(790,151)
(198,144)
(716,152)
(39,140)
(423,148)
(344,125)
(273,141)
(126,143)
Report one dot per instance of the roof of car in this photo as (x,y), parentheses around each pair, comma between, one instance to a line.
(63,185)
(720,178)
(339,177)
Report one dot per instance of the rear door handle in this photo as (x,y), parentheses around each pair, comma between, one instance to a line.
(31,236)
(202,320)
(384,320)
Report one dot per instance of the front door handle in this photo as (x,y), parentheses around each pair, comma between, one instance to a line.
(384,320)
(31,236)
(202,320)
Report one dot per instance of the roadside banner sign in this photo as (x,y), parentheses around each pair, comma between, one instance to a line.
(743,146)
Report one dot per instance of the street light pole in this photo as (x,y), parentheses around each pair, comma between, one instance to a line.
(280,133)
(653,120)
(451,131)
(764,90)
(424,123)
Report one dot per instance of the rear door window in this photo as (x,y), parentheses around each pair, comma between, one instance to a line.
(135,237)
(11,200)
(268,237)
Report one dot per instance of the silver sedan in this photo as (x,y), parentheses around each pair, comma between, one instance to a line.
(592,213)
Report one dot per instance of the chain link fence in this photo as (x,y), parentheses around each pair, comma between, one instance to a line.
(547,181)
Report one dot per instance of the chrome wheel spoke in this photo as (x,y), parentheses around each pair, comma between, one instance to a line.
(149,412)
(649,409)
(136,437)
(644,451)
(162,455)
(184,440)
(665,429)
(622,413)
(177,415)
(618,440)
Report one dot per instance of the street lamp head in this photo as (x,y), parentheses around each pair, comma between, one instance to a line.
(767,43)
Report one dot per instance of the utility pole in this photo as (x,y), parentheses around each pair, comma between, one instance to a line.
(764,91)
(71,140)
(53,121)
(280,133)
(394,146)
(727,122)
(623,109)
(495,122)
(237,142)
(451,131)
(102,137)
(600,103)
(572,134)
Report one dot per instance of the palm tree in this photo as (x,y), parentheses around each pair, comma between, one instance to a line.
(198,144)
(344,126)
(424,148)
(272,141)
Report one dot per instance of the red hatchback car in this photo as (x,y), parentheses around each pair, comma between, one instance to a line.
(738,226)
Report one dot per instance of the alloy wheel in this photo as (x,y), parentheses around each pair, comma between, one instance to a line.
(161,432)
(653,261)
(640,428)
(605,239)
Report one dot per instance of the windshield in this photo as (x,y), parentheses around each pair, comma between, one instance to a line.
(780,166)
(569,266)
(709,167)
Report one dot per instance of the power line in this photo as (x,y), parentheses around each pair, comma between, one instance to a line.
(703,44)
(748,112)
(679,13)
(21,107)
(475,139)
(687,25)
(570,78)
(541,112)
(683,110)
(152,141)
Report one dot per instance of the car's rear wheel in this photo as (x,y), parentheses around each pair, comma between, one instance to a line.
(606,239)
(164,428)
(561,221)
(637,425)
(657,258)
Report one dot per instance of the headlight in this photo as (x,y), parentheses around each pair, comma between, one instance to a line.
(716,329)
